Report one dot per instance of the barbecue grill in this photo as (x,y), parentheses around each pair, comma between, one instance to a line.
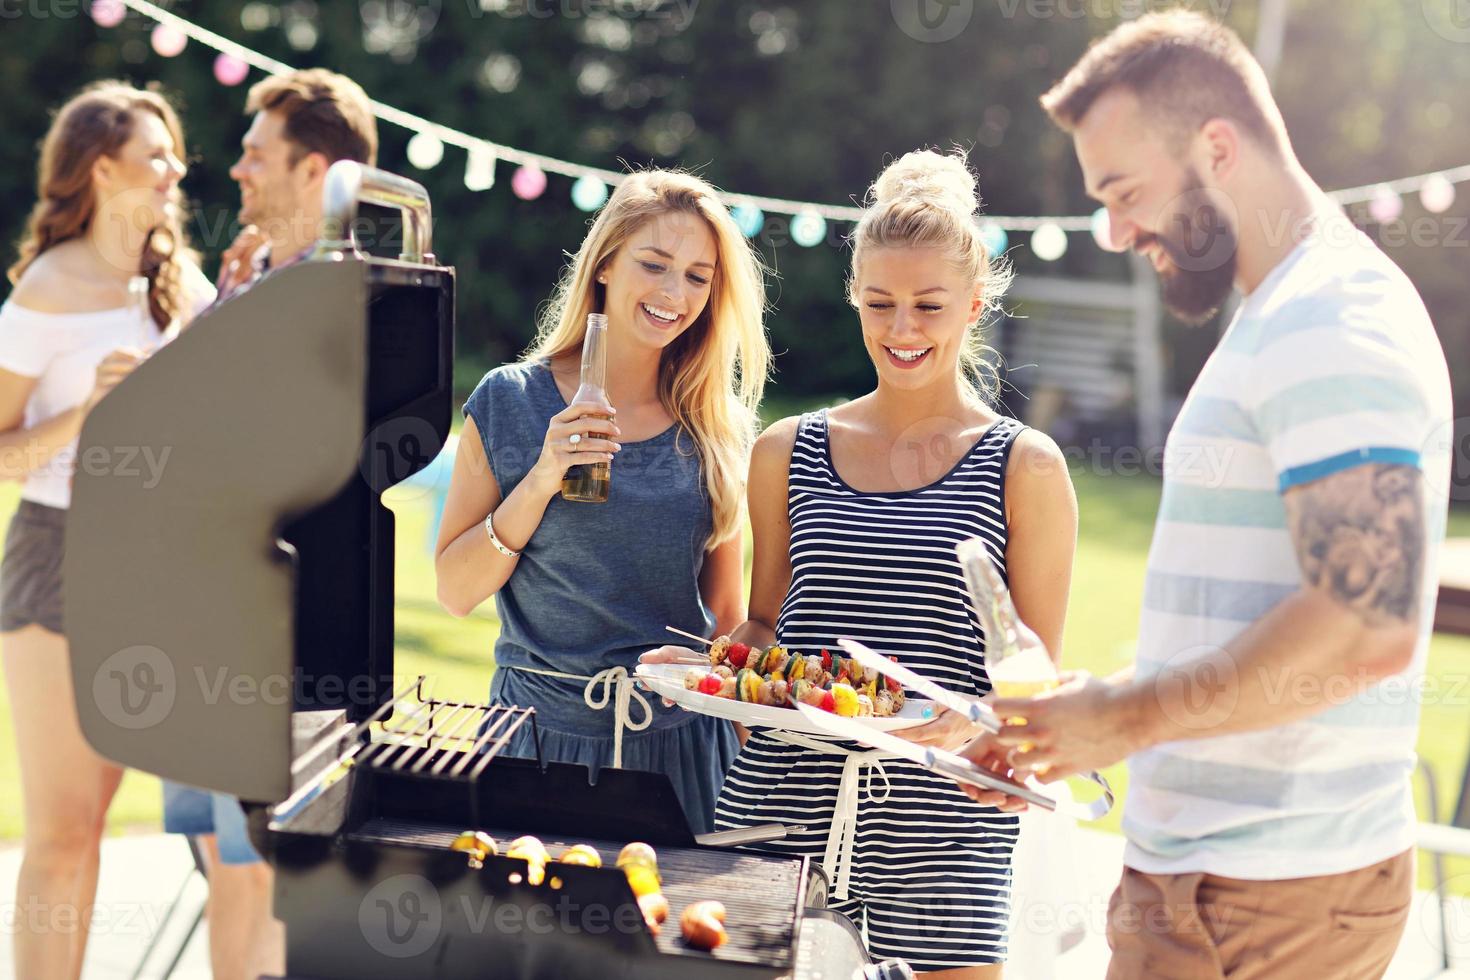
(232,628)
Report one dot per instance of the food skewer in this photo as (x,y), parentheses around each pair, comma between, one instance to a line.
(688,661)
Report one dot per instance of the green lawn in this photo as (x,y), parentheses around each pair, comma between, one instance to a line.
(1116,523)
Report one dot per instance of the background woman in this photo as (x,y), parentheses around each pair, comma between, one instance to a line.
(583,588)
(109,209)
(856,511)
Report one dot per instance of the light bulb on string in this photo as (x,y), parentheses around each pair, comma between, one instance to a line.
(1102,230)
(749,218)
(479,169)
(229,70)
(1049,241)
(808,228)
(168,41)
(425,151)
(994,238)
(1386,205)
(528,182)
(589,193)
(108,13)
(1437,195)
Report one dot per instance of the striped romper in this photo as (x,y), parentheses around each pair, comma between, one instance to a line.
(920,867)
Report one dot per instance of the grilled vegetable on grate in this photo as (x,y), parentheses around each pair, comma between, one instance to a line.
(703,925)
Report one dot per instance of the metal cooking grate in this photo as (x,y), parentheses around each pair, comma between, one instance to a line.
(760,893)
(412,744)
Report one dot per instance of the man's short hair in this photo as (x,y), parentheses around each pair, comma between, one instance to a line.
(1184,68)
(325,113)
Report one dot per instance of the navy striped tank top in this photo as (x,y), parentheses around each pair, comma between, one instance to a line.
(880,568)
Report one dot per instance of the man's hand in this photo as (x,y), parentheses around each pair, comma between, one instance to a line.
(949,730)
(986,754)
(1084,724)
(235,267)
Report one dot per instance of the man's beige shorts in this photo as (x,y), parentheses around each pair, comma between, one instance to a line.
(1205,927)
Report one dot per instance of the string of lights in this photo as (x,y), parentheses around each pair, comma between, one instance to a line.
(589,190)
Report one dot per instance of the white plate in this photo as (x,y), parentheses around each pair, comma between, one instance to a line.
(667,680)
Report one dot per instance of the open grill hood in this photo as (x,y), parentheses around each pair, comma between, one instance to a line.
(254,576)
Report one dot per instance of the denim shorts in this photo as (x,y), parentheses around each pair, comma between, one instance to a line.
(30,574)
(191,811)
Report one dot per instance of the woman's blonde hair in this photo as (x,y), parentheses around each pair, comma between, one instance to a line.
(711,377)
(97,122)
(926,199)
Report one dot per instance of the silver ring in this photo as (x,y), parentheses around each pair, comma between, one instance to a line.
(575,438)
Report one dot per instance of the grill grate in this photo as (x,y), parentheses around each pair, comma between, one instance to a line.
(413,744)
(760,893)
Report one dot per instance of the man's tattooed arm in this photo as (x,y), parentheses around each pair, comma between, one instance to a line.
(1359,538)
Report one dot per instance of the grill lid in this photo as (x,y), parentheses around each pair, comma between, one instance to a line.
(249,572)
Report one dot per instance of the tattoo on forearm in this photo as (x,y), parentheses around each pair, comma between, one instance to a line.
(1360,537)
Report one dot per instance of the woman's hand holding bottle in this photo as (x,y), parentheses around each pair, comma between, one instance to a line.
(596,442)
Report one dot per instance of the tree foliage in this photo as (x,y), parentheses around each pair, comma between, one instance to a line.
(803,100)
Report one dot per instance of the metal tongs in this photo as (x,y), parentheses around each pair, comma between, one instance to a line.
(948,763)
(977,711)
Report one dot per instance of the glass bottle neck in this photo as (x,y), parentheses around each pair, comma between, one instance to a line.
(992,600)
(594,357)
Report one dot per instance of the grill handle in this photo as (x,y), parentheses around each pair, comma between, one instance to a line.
(348,184)
(743,835)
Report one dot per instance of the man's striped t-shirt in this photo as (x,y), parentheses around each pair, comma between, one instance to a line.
(1330,363)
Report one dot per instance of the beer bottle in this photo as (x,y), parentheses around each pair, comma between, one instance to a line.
(1015,658)
(588,482)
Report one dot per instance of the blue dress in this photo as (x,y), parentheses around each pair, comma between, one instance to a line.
(596,586)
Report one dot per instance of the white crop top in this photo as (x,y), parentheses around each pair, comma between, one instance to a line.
(62,351)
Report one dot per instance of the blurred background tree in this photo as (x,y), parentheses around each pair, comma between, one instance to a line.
(804,100)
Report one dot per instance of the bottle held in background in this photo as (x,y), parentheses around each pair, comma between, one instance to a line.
(139,308)
(1015,658)
(589,482)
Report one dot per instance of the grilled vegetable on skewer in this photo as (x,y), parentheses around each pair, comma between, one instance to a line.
(583,854)
(533,852)
(477,844)
(640,864)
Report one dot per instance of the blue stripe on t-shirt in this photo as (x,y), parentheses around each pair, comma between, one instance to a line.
(1391,455)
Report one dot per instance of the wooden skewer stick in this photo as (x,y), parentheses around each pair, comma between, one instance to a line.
(690,636)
